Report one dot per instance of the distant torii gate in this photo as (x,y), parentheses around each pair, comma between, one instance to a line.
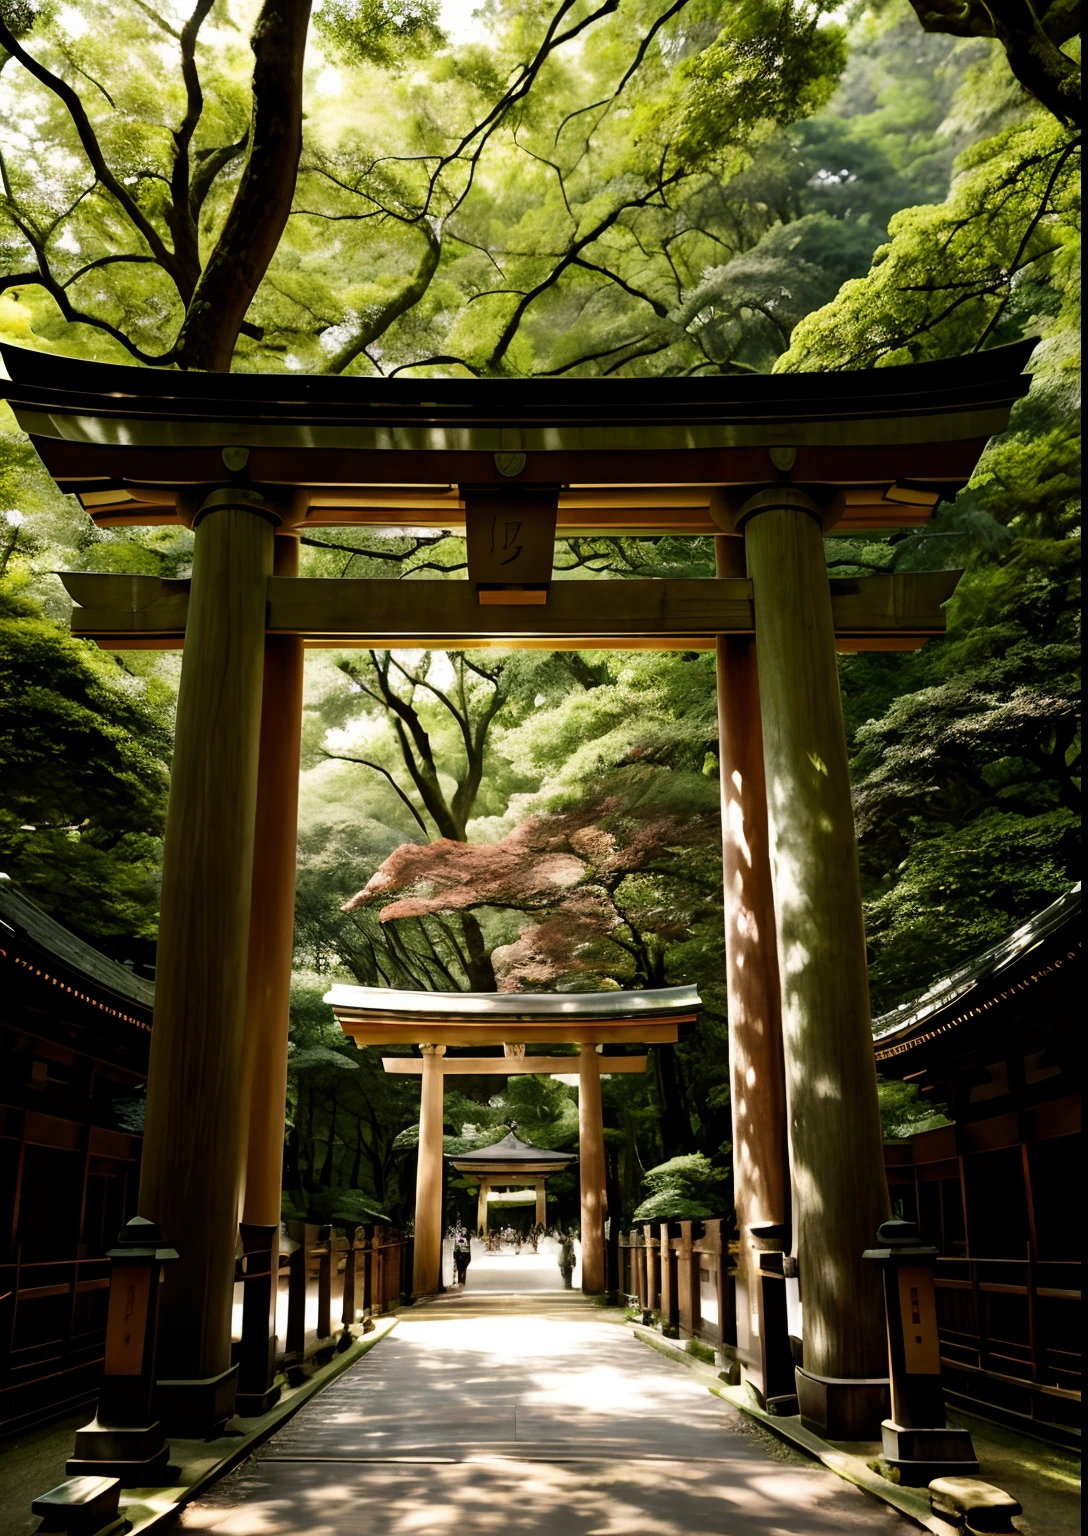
(767,465)
(433,1021)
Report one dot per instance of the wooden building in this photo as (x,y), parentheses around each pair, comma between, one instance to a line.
(998,1043)
(75,1032)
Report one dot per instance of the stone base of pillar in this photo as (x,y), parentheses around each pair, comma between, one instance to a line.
(198,1409)
(923,1454)
(137,1457)
(843,1408)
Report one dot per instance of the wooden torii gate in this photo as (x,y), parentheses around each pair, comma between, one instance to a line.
(767,465)
(435,1021)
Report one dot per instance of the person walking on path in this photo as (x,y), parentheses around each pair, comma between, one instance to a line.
(462,1252)
(566,1258)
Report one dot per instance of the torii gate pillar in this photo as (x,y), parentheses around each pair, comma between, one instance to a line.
(757,1080)
(591,1168)
(427,1247)
(196,1117)
(840,1194)
(268,1005)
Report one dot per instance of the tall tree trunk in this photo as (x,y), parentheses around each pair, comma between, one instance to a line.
(481,972)
(306,1182)
(676,1129)
(251,234)
(328,1166)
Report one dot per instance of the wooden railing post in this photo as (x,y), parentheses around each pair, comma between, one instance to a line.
(380,1295)
(670,1300)
(653,1270)
(257,1392)
(369,1242)
(687,1283)
(347,1295)
(323,1254)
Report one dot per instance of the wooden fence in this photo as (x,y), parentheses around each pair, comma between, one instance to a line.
(325,1283)
(684,1272)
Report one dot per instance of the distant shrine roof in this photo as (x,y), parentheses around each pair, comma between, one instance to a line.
(511,1150)
(386,1016)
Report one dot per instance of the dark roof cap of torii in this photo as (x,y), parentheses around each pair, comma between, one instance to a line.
(75,386)
(510,1007)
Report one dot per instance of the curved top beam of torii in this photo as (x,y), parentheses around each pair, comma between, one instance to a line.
(387,1016)
(639,456)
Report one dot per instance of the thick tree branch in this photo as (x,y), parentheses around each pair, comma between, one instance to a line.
(249,237)
(510,329)
(209,163)
(180,217)
(1032,48)
(380,317)
(363,762)
(91,148)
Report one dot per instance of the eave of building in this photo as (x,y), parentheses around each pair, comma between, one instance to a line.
(501,1169)
(37,944)
(1039,948)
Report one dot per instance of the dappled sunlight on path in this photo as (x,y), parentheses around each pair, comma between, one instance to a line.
(526,1415)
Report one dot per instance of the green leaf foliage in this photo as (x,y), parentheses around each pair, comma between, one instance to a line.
(682,1189)
(84,753)
(646,190)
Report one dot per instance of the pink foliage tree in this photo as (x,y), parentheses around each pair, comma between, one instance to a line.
(586,880)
